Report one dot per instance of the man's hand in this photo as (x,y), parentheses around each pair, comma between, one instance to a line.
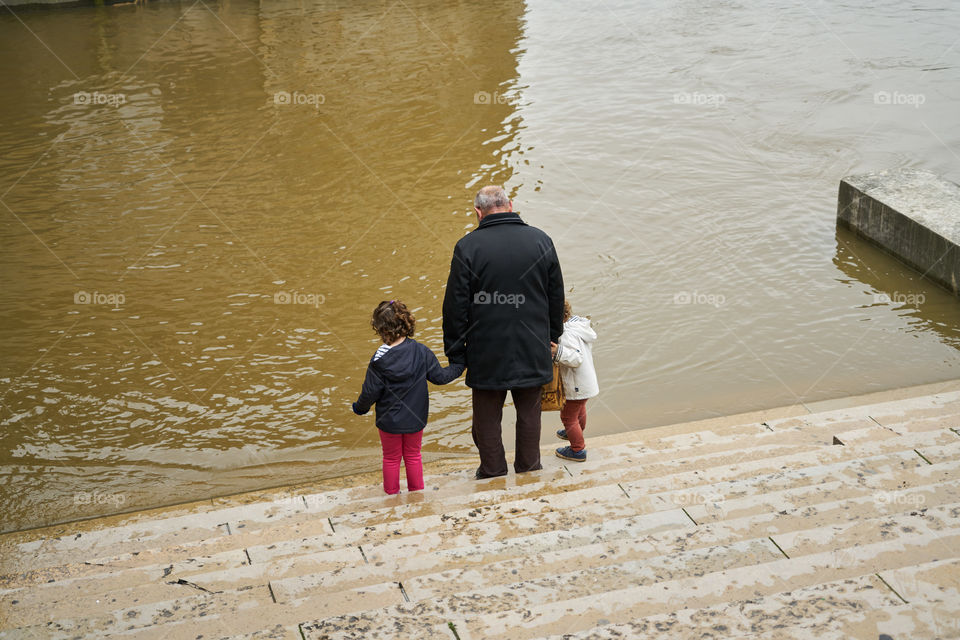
(553,349)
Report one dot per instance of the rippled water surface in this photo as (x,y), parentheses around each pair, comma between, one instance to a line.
(201,204)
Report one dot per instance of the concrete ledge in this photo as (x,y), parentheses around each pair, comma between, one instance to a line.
(912,214)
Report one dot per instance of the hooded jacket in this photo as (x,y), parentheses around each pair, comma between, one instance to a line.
(575,356)
(397,383)
(504,304)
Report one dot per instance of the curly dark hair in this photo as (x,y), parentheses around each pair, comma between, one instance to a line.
(392,321)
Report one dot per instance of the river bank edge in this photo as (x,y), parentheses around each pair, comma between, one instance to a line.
(441,463)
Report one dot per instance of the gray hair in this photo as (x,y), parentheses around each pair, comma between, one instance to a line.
(491,197)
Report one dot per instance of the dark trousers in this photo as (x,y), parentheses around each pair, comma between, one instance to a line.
(487,414)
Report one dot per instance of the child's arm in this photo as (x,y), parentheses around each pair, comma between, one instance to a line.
(370,392)
(442,375)
(569,352)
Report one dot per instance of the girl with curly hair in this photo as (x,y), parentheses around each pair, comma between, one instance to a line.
(396,382)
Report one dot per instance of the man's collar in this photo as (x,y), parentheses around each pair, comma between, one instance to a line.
(500,218)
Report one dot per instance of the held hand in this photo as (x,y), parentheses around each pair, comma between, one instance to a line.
(553,349)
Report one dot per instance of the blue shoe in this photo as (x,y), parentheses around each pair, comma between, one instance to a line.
(569,454)
(562,434)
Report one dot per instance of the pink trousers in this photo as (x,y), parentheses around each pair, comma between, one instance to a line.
(406,446)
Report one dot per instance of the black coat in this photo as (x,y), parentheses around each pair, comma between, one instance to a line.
(504,304)
(397,383)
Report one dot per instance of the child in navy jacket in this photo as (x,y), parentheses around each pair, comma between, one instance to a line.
(396,382)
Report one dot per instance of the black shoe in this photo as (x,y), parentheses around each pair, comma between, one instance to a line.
(482,476)
(539,467)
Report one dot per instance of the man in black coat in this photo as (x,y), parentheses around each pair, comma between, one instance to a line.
(502,309)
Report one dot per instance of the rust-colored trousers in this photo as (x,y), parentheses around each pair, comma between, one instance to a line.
(574,419)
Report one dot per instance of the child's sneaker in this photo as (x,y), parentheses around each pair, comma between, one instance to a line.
(568,453)
(562,434)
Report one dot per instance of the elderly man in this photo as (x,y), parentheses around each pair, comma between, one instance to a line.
(502,309)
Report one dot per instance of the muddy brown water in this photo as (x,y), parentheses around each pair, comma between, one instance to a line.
(202,202)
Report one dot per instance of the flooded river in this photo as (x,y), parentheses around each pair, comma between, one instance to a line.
(202,203)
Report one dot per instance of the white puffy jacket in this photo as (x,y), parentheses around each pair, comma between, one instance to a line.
(575,356)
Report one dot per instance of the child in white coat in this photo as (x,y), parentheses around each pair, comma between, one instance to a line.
(574,354)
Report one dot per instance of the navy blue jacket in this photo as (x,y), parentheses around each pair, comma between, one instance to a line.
(397,384)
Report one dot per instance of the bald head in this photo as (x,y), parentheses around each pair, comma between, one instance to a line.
(491,199)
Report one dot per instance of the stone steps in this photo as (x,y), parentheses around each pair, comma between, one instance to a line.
(648,505)
(634,558)
(687,478)
(305,510)
(533,611)
(642,535)
(587,477)
(339,594)
(509,518)
(852,608)
(311,508)
(673,528)
(299,522)
(903,412)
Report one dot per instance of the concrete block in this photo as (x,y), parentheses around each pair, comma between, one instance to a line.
(912,214)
